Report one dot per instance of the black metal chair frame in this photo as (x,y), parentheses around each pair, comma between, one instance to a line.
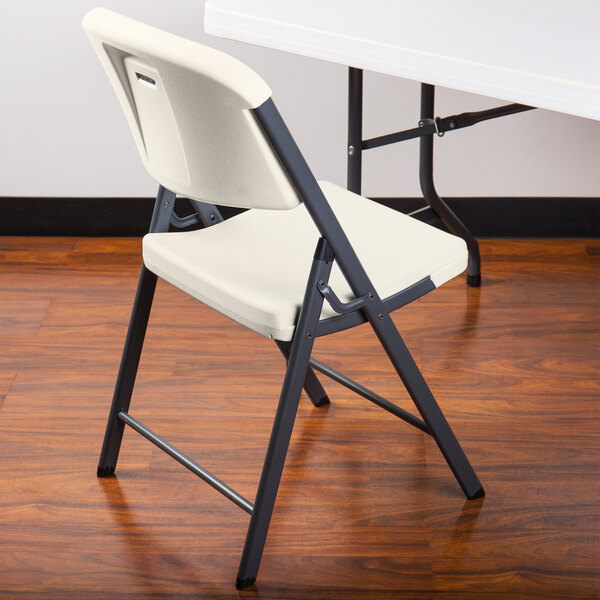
(368,306)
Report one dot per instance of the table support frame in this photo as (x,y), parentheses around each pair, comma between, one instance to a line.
(428,127)
(439,207)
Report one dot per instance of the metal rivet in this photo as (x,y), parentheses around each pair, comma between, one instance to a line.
(380,316)
(309,335)
(212,217)
(167,204)
(452,124)
(421,124)
(321,284)
(371,296)
(351,150)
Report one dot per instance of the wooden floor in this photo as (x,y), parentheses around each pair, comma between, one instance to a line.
(368,508)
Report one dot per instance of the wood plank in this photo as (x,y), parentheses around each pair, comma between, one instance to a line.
(367,507)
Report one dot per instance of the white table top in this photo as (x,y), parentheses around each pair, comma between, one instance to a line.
(544,53)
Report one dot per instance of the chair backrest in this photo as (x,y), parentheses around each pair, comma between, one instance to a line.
(189,109)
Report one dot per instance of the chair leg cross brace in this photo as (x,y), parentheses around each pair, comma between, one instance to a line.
(187,462)
(369,395)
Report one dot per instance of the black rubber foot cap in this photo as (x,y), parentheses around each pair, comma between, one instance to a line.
(105,471)
(480,493)
(474,280)
(321,402)
(240,584)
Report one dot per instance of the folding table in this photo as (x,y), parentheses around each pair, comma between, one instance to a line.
(535,54)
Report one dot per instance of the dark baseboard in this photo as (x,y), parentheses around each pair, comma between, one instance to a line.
(518,217)
(83,217)
(130,217)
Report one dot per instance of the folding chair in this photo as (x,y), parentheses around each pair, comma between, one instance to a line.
(307,259)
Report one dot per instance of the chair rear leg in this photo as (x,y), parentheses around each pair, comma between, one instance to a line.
(421,395)
(127,371)
(161,216)
(312,386)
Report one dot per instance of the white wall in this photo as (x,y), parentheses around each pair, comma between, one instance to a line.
(62,132)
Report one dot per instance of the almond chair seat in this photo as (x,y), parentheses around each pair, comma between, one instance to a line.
(253,267)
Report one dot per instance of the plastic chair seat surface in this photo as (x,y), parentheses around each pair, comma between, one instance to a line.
(253,267)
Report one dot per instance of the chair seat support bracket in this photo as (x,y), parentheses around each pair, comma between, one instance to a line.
(343,308)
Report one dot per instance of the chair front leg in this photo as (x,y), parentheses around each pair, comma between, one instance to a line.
(132,351)
(285,416)
(127,372)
